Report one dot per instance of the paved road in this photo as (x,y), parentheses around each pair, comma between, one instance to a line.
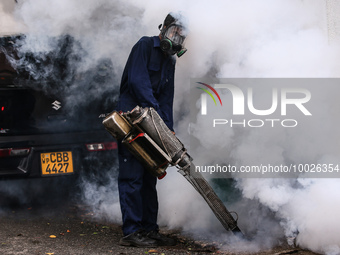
(61,225)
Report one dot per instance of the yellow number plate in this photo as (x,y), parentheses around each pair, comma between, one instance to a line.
(56,163)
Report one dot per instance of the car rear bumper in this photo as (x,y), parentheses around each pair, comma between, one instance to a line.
(21,156)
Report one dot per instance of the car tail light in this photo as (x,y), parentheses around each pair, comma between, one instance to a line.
(6,78)
(110,146)
(101,146)
(12,152)
(95,147)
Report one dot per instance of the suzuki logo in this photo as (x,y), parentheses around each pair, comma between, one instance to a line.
(56,105)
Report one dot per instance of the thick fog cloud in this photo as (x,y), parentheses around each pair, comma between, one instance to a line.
(227,39)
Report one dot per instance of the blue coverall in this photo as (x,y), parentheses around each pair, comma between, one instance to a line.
(147,81)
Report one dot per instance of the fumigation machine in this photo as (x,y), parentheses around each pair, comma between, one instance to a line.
(148,138)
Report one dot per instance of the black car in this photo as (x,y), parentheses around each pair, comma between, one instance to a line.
(50,113)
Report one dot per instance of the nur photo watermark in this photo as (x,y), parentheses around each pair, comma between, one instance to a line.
(266,127)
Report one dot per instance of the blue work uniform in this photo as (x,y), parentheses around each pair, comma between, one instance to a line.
(147,81)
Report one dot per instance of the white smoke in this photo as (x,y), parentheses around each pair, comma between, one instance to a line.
(263,38)
(8,25)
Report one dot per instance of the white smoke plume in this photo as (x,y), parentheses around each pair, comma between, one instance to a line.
(7,21)
(247,39)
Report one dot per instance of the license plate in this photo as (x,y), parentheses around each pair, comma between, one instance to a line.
(56,163)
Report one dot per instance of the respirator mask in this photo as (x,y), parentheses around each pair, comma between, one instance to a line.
(173,39)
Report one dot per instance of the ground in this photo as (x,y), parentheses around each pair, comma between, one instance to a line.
(66,227)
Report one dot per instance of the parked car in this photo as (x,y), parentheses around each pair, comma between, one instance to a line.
(51,123)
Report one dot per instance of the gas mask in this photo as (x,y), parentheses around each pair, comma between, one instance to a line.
(172,40)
